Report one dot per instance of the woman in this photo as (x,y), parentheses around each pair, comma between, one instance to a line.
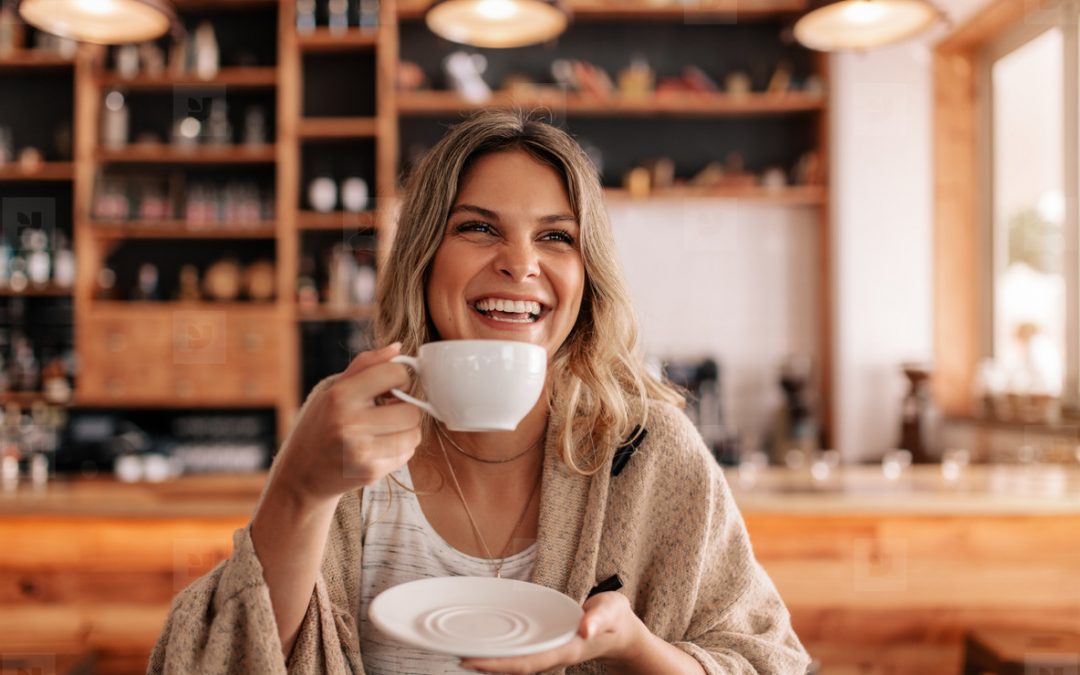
(503,235)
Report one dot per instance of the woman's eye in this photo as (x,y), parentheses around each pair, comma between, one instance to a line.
(559,235)
(474,226)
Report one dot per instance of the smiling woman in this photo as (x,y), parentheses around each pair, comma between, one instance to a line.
(503,235)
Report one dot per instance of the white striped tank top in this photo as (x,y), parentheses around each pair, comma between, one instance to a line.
(399,546)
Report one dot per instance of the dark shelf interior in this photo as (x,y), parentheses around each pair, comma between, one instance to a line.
(339,85)
(155,113)
(752,47)
(338,159)
(170,255)
(762,142)
(327,347)
(38,108)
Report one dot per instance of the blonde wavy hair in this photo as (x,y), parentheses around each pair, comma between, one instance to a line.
(600,387)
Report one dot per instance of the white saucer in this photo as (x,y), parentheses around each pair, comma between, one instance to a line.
(476,616)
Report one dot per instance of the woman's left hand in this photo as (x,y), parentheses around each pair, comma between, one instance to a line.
(608,631)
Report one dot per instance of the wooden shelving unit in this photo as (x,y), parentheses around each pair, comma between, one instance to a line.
(799,195)
(163,153)
(297,132)
(260,77)
(46,171)
(311,128)
(180,229)
(441,103)
(325,40)
(327,313)
(637,10)
(33,59)
(337,220)
(31,291)
(25,399)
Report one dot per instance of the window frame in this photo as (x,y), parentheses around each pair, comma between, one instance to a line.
(1064,16)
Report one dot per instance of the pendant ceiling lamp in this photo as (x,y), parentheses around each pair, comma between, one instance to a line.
(858,25)
(106,22)
(497,23)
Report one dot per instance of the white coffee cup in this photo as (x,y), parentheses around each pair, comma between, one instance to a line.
(477,385)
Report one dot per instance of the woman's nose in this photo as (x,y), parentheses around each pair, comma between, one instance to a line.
(519,261)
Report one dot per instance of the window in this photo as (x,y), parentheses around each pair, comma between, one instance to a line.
(1030,328)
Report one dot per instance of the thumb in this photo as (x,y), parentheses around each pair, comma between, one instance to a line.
(365,360)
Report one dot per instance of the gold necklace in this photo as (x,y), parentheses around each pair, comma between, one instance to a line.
(454,445)
(497,562)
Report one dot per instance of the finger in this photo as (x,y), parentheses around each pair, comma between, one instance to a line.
(533,663)
(366,448)
(384,419)
(601,613)
(365,360)
(360,391)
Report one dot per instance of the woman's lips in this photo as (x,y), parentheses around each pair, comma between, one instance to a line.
(510,321)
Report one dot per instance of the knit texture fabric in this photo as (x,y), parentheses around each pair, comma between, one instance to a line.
(667,525)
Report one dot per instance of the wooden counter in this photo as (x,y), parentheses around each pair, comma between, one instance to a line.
(881,576)
(886,576)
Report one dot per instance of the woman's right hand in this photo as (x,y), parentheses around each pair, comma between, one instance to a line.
(345,440)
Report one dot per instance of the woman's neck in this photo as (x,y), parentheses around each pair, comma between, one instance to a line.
(493,477)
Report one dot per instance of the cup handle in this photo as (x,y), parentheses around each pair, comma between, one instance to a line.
(413,363)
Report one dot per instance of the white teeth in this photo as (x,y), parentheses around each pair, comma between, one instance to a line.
(511,306)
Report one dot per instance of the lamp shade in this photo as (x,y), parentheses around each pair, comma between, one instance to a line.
(497,23)
(106,22)
(864,24)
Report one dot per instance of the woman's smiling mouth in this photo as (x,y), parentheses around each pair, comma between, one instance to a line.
(509,311)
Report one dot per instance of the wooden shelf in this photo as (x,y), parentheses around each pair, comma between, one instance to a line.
(31,291)
(28,398)
(313,128)
(44,171)
(795,195)
(33,59)
(721,11)
(223,5)
(324,40)
(181,229)
(258,77)
(171,403)
(420,103)
(164,153)
(142,306)
(326,313)
(336,220)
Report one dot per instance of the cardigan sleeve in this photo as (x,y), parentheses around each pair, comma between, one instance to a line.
(224,621)
(739,624)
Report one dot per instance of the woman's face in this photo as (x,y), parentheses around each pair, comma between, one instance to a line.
(509,266)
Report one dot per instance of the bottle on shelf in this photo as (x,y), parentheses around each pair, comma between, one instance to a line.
(146,288)
(322,191)
(305,16)
(339,15)
(217,129)
(307,291)
(63,263)
(38,262)
(354,192)
(207,54)
(105,284)
(189,284)
(367,14)
(25,373)
(114,120)
(363,283)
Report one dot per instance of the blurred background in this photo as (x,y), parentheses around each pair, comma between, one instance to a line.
(849,228)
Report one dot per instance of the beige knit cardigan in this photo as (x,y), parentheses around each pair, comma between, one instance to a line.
(666,524)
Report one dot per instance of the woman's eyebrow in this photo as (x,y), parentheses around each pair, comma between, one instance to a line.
(488,213)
